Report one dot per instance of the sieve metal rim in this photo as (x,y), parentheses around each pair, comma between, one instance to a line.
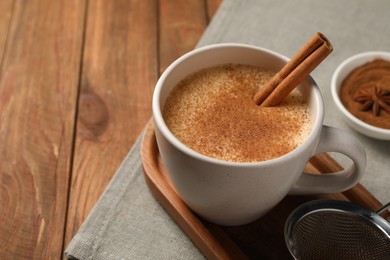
(329,205)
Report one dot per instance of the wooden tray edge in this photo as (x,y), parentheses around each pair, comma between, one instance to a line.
(200,235)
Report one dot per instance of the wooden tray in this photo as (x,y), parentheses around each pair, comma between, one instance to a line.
(261,239)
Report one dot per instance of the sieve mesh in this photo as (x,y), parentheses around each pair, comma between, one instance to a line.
(336,234)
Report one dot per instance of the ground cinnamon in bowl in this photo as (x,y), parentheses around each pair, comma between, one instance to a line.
(366,93)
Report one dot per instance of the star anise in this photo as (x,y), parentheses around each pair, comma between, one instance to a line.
(374,98)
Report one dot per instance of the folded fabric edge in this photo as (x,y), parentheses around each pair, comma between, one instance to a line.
(77,244)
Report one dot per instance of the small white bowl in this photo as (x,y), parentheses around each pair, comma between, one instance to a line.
(341,72)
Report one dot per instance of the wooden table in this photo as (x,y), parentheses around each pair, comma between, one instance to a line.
(76,82)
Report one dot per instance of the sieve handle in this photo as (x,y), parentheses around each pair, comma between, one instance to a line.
(382,209)
(334,140)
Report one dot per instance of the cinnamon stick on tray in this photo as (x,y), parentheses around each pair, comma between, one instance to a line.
(295,71)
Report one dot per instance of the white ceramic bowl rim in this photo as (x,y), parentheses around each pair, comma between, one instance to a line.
(317,124)
(361,59)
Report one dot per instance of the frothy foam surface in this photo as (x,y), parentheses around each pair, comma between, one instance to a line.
(212,112)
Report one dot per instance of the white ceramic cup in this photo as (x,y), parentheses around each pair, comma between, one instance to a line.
(231,193)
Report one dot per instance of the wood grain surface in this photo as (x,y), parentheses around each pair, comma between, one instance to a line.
(38,99)
(76,80)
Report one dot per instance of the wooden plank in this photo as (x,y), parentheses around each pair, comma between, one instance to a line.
(118,75)
(5,18)
(120,68)
(182,23)
(38,92)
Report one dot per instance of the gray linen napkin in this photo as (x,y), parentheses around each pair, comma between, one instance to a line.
(128,223)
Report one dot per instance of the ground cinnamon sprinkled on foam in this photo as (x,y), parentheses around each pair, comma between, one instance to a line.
(213,112)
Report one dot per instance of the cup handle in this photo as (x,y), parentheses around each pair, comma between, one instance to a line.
(334,140)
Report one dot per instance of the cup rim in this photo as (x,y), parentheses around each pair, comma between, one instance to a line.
(160,124)
(360,59)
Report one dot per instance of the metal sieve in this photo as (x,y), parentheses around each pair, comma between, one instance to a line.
(332,229)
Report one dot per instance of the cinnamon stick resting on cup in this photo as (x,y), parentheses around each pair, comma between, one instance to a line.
(295,71)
